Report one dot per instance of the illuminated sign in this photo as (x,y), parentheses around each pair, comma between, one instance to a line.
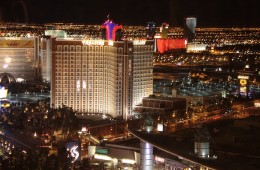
(160,127)
(74,153)
(139,42)
(243,85)
(243,77)
(102,151)
(243,82)
(5,104)
(243,91)
(3,93)
(111,29)
(74,150)
(170,44)
(93,42)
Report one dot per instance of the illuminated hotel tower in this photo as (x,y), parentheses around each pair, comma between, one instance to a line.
(189,27)
(101,76)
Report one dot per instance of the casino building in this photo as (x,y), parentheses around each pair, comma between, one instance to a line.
(19,58)
(108,76)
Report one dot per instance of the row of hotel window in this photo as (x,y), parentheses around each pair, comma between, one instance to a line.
(84,48)
(79,48)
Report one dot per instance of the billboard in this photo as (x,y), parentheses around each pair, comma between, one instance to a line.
(56,33)
(243,85)
(170,44)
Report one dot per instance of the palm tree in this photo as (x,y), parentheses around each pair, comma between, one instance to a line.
(69,122)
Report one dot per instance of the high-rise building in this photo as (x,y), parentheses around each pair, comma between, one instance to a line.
(100,76)
(164,30)
(189,28)
(150,30)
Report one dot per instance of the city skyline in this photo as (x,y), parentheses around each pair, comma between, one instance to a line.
(125,99)
(214,13)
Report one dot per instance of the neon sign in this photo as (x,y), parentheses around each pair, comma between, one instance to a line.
(74,153)
(3,92)
(111,29)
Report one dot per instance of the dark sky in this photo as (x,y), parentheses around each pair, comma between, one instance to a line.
(133,12)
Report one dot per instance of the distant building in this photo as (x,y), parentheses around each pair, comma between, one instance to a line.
(150,30)
(189,28)
(99,76)
(199,102)
(161,105)
(164,30)
(19,57)
(56,33)
(244,77)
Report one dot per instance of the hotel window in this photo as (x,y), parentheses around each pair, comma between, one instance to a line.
(65,48)
(59,47)
(78,48)
(72,48)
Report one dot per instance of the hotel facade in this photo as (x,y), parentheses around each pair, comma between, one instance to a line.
(19,58)
(98,76)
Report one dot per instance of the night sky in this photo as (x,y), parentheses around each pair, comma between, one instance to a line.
(219,13)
